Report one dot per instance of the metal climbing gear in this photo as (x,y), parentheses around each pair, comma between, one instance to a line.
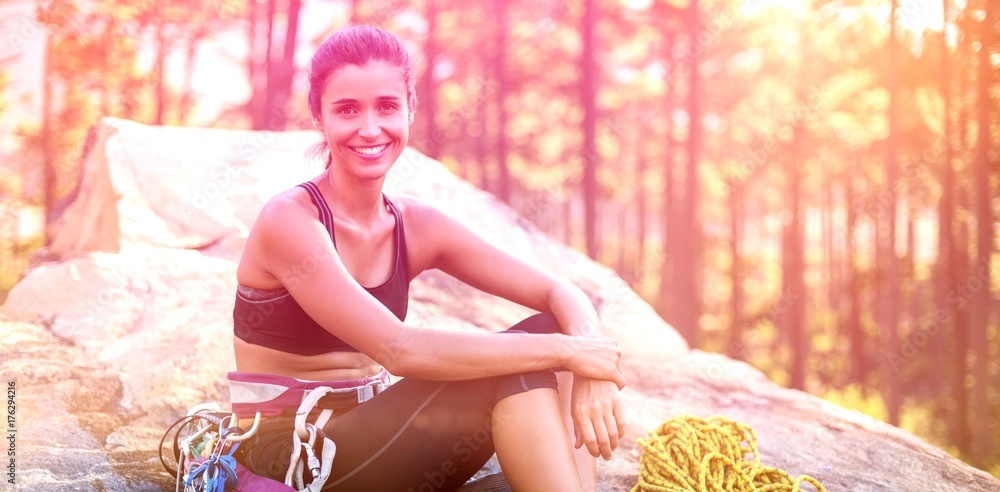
(205,461)
(208,454)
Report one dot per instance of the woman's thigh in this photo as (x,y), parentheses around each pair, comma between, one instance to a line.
(426,435)
(422,435)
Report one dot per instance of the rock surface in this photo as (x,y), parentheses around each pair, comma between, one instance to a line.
(128,323)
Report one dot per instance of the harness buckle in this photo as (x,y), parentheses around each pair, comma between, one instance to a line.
(368,391)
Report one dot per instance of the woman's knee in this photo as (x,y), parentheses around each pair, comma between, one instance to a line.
(513,384)
(538,323)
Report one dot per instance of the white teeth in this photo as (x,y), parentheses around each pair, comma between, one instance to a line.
(370,150)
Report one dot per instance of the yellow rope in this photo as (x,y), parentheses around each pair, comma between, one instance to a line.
(691,454)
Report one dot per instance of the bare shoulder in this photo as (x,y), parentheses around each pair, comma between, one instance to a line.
(423,218)
(289,204)
(425,225)
(284,220)
(415,211)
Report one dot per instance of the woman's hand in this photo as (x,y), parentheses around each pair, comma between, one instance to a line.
(598,420)
(595,357)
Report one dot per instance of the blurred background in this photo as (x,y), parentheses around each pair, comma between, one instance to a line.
(808,186)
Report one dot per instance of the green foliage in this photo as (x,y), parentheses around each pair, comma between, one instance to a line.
(4,83)
(14,258)
(856,397)
(94,70)
(786,86)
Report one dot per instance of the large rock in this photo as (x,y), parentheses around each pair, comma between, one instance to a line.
(128,322)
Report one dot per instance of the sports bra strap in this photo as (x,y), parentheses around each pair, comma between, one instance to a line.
(325,215)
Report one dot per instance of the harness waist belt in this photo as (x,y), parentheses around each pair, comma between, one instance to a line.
(341,398)
(270,395)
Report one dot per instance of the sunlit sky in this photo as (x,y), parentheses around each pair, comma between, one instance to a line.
(914,15)
(219,77)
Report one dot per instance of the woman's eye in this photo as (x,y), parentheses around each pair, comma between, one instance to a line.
(388,107)
(347,110)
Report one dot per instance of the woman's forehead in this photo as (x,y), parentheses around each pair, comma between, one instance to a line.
(372,80)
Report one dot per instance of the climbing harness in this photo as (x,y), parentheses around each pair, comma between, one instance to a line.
(211,449)
(691,454)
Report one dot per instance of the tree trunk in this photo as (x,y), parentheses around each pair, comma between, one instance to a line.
(428,96)
(49,175)
(355,13)
(960,259)
(832,250)
(184,108)
(890,322)
(945,270)
(266,78)
(499,66)
(280,71)
(830,271)
(253,75)
(668,208)
(622,241)
(639,263)
(161,55)
(736,349)
(913,296)
(481,141)
(855,334)
(270,77)
(688,299)
(982,441)
(962,428)
(877,281)
(588,94)
(567,221)
(283,92)
(793,293)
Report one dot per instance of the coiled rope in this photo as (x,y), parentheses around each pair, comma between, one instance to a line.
(691,454)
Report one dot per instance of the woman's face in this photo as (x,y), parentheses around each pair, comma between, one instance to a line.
(365,118)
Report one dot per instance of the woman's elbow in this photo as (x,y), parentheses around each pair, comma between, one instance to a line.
(415,353)
(403,361)
(391,358)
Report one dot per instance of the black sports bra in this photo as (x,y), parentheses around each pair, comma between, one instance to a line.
(271,318)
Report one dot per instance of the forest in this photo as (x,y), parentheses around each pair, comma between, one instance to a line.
(807,186)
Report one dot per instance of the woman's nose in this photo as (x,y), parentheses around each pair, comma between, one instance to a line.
(369,126)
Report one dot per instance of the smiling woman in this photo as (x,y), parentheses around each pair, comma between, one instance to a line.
(364,119)
(322,296)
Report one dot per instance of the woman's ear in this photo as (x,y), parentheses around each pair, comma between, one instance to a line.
(410,117)
(317,125)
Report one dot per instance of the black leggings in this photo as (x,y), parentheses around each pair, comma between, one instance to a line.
(422,436)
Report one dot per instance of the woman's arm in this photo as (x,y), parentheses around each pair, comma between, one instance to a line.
(296,250)
(443,243)
(595,406)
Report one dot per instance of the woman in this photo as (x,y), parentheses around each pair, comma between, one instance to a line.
(323,283)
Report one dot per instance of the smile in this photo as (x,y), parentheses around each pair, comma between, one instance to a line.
(370,150)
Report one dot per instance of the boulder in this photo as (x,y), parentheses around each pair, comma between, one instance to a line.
(125,322)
